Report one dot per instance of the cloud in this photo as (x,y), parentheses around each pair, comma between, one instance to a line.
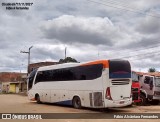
(149,25)
(44,52)
(90,31)
(86,30)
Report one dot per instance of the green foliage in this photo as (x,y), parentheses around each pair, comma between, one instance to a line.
(152,69)
(67,59)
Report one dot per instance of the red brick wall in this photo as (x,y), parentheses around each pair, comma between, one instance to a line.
(40,64)
(10,76)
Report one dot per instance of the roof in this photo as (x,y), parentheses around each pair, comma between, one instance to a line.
(44,63)
(148,73)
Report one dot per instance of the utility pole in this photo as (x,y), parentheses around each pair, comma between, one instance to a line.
(21,67)
(29,52)
(65,52)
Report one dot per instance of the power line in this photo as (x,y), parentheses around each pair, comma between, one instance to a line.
(133,11)
(132,55)
(123,5)
(144,57)
(141,54)
(134,51)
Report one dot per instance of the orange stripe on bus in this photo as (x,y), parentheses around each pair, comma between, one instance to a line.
(104,62)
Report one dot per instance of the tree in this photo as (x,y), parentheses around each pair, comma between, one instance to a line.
(152,69)
(67,59)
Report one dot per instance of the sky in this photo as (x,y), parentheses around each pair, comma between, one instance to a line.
(89,29)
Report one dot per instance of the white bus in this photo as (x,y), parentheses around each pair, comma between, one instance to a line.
(96,84)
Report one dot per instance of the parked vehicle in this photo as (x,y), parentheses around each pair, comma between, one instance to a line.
(149,89)
(96,84)
(135,87)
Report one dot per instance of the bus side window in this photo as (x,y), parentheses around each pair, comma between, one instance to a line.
(89,72)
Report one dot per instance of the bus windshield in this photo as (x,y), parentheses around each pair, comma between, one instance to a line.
(31,78)
(157,82)
(119,69)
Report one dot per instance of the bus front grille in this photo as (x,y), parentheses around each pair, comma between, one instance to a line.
(120,82)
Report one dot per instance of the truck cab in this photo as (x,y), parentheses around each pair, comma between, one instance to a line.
(150,89)
(135,88)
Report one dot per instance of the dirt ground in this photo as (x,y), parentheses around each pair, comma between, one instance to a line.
(11,103)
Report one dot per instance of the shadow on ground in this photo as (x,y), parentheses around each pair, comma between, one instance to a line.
(96,110)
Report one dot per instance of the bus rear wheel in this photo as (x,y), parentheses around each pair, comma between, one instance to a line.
(76,102)
(38,98)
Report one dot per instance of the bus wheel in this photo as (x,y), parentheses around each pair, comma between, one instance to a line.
(38,98)
(76,102)
(143,99)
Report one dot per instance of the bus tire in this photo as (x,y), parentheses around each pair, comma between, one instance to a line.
(143,99)
(38,98)
(76,102)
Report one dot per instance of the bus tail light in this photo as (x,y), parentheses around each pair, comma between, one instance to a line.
(108,94)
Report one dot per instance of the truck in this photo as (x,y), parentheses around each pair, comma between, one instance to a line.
(135,88)
(149,89)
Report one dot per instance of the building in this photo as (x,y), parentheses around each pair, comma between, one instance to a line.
(40,64)
(149,73)
(12,82)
